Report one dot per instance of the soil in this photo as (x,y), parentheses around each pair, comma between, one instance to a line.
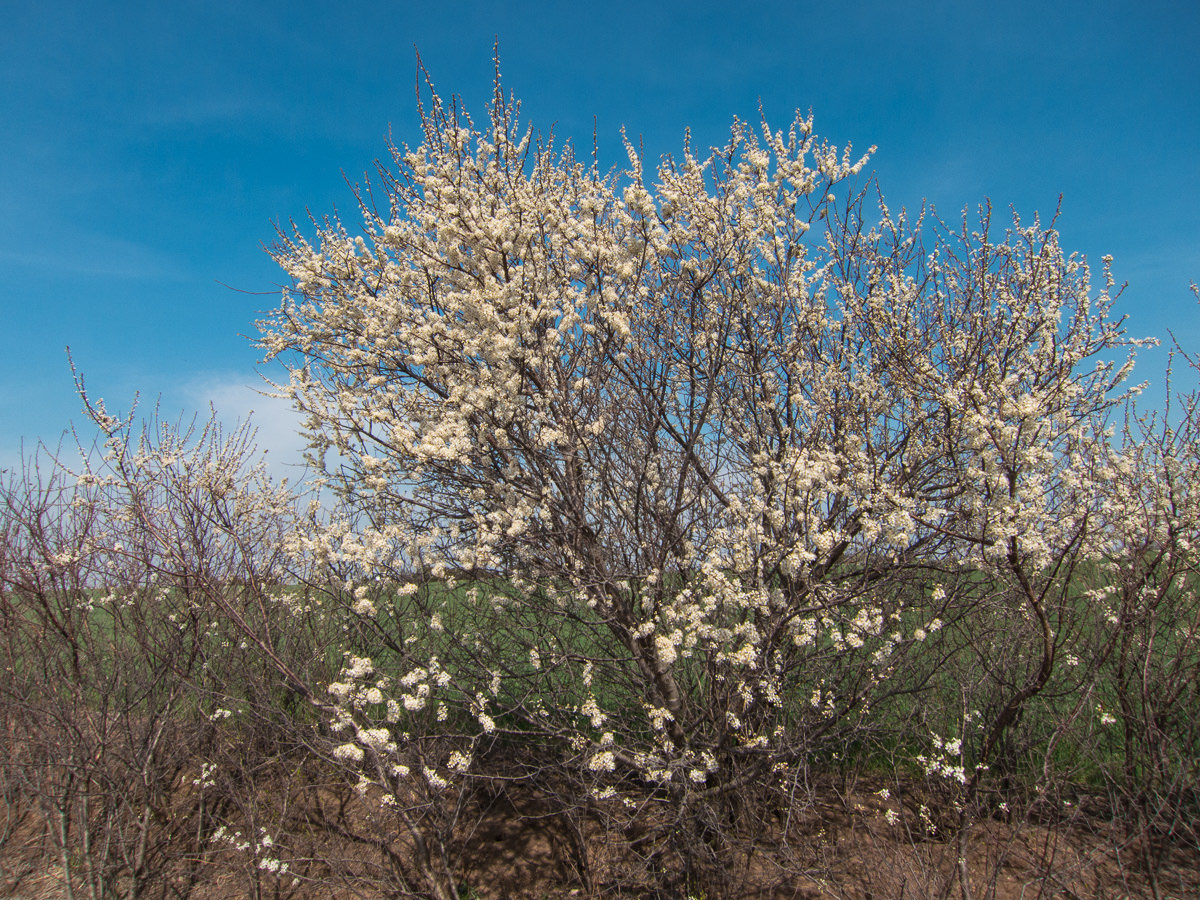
(844,846)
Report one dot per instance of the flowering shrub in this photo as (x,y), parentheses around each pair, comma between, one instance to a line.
(687,465)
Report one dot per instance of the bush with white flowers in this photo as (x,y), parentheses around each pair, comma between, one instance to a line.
(687,462)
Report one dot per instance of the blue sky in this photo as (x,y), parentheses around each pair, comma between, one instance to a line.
(147,148)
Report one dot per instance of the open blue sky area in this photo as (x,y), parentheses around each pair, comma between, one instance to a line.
(147,149)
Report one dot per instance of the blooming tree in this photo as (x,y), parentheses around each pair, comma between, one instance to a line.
(677,469)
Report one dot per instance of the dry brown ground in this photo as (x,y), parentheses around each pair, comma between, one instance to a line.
(841,848)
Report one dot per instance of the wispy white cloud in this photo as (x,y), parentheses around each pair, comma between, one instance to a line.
(94,254)
(234,399)
(207,109)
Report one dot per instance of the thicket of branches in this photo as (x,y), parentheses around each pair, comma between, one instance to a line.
(668,499)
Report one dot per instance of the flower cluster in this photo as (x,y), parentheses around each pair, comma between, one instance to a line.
(700,435)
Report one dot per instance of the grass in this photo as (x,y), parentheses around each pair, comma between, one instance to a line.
(974,662)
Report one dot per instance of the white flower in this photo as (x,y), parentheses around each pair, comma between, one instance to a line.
(593,712)
(604,761)
(375,738)
(665,649)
